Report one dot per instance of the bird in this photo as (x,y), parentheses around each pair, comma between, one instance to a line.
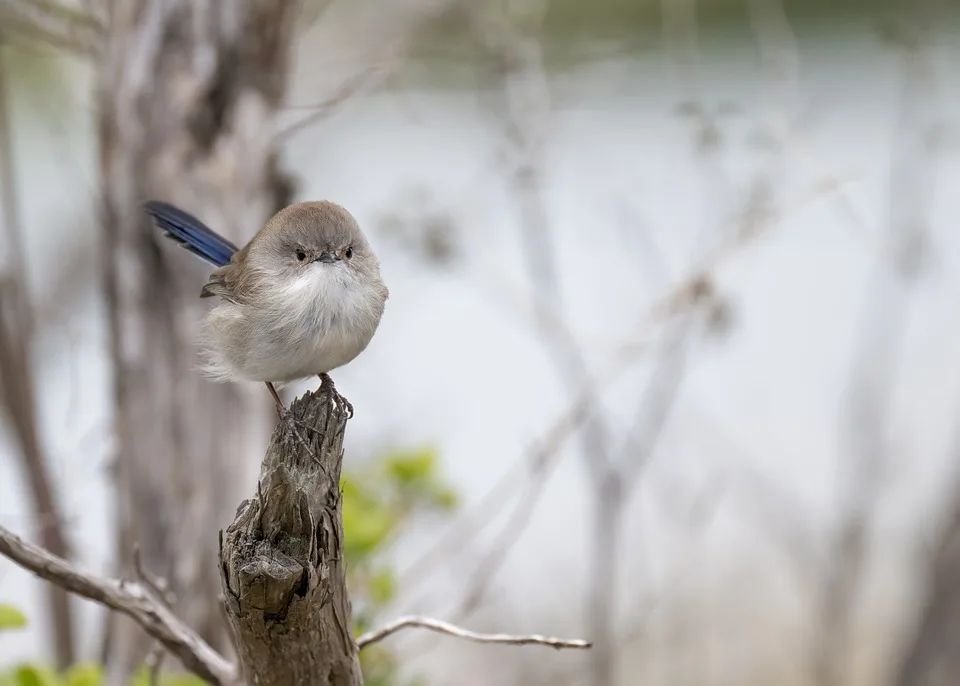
(303,297)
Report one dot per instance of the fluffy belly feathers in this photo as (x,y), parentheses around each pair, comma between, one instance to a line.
(327,327)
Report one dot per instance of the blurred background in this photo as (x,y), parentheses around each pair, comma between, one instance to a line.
(669,361)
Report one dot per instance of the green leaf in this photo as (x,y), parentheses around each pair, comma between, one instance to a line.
(446,498)
(83,675)
(142,678)
(408,467)
(187,680)
(30,675)
(364,529)
(11,618)
(350,488)
(383,586)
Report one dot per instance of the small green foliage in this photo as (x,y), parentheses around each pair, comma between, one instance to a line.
(32,675)
(415,474)
(366,523)
(379,500)
(383,586)
(11,618)
(143,679)
(85,675)
(412,466)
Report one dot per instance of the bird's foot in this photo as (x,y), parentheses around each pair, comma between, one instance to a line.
(326,384)
(286,418)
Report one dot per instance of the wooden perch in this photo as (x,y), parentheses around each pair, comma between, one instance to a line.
(281,561)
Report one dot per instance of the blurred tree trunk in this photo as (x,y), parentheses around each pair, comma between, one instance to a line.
(932,657)
(187,95)
(18,392)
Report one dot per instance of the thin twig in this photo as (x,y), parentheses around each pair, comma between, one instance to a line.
(539,463)
(658,400)
(159,585)
(446,628)
(880,336)
(534,468)
(130,598)
(324,109)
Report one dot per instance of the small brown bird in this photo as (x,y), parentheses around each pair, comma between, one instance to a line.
(302,298)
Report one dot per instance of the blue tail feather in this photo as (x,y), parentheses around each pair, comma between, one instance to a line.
(190,233)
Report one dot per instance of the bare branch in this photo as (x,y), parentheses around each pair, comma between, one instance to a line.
(130,598)
(777,43)
(658,400)
(527,109)
(453,630)
(154,659)
(324,109)
(932,651)
(880,337)
(536,466)
(60,26)
(362,43)
(159,586)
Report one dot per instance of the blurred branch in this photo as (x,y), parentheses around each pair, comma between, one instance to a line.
(537,467)
(766,501)
(362,42)
(879,337)
(525,120)
(60,26)
(680,36)
(612,496)
(13,265)
(453,630)
(659,397)
(17,385)
(130,598)
(777,43)
(932,656)
(540,466)
(321,111)
(512,41)
(160,587)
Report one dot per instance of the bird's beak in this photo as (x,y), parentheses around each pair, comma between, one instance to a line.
(327,257)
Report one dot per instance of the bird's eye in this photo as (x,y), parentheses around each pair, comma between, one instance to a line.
(349,253)
(301,256)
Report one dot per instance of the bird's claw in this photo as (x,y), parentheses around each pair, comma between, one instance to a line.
(326,384)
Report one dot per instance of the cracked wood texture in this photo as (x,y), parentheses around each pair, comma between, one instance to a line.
(281,561)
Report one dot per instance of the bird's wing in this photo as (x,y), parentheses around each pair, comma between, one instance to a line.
(222,283)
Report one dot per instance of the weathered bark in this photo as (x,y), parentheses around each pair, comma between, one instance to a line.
(188,93)
(281,560)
